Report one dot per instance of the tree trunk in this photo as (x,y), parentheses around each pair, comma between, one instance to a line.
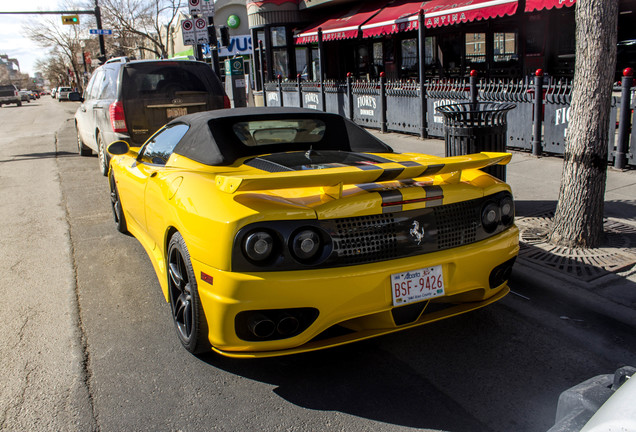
(578,221)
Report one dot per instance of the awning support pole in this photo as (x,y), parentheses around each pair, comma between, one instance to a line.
(421,39)
(321,61)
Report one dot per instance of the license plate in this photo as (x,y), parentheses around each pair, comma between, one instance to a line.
(176,112)
(417,285)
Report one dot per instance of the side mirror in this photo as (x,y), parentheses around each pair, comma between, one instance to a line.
(118,148)
(75,97)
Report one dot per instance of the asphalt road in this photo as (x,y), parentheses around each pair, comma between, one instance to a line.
(87,341)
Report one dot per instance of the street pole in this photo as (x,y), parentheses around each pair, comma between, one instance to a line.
(214,46)
(102,46)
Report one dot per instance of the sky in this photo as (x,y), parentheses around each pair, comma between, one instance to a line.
(12,41)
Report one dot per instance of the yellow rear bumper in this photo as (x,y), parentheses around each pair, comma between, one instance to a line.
(355,297)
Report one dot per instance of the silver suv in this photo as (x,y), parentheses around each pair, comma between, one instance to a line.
(131,100)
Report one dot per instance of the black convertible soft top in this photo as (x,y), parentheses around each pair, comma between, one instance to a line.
(211,139)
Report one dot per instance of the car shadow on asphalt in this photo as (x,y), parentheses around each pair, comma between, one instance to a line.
(360,379)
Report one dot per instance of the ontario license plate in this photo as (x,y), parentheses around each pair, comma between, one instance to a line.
(417,285)
(176,112)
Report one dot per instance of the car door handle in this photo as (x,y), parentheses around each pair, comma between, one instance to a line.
(82,109)
(97,107)
(154,173)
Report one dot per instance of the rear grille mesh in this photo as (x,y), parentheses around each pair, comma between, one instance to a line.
(366,239)
(456,224)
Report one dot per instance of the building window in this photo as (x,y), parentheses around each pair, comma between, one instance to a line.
(378,56)
(315,63)
(430,51)
(475,47)
(279,38)
(363,59)
(279,52)
(302,67)
(505,47)
(409,55)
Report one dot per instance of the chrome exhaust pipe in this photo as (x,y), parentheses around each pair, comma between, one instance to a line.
(261,326)
(287,325)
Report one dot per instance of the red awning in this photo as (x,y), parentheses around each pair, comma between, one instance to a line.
(398,16)
(533,5)
(444,12)
(340,26)
(403,14)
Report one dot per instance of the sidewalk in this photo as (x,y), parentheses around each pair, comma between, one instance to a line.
(605,277)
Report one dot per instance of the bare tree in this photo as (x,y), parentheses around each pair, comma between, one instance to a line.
(64,39)
(138,24)
(53,68)
(578,221)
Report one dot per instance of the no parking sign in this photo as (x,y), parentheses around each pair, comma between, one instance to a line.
(187,29)
(201,28)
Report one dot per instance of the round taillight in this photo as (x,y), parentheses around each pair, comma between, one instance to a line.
(306,244)
(490,217)
(507,207)
(258,246)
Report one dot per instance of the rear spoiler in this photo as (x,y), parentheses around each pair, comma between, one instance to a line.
(330,177)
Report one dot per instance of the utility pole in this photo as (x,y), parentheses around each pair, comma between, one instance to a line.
(102,47)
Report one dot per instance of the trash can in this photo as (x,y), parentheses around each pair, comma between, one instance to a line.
(474,128)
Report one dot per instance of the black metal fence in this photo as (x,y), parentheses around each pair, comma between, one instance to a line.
(407,107)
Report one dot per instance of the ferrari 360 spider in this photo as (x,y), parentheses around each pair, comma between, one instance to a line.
(283,230)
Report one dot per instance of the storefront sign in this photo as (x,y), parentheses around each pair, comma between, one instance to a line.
(311,100)
(366,105)
(239,45)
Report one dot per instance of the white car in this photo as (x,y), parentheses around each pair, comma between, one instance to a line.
(62,93)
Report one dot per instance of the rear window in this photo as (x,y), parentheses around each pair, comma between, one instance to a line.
(264,132)
(148,80)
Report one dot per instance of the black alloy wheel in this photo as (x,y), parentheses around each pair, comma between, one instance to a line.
(185,304)
(115,202)
(102,155)
(82,149)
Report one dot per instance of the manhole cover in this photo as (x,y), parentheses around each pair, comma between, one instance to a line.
(617,253)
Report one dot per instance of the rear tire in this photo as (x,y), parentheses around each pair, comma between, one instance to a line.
(82,149)
(118,210)
(185,304)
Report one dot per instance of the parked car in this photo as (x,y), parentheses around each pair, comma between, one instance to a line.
(53,92)
(62,93)
(24,96)
(282,230)
(130,100)
(9,94)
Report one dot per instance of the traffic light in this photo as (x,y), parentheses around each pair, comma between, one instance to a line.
(225,36)
(70,19)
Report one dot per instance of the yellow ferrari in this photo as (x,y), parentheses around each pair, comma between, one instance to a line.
(283,230)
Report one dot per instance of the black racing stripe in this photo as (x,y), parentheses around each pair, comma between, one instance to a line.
(368,167)
(432,169)
(434,191)
(266,165)
(389,174)
(369,186)
(389,196)
(392,209)
(409,164)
